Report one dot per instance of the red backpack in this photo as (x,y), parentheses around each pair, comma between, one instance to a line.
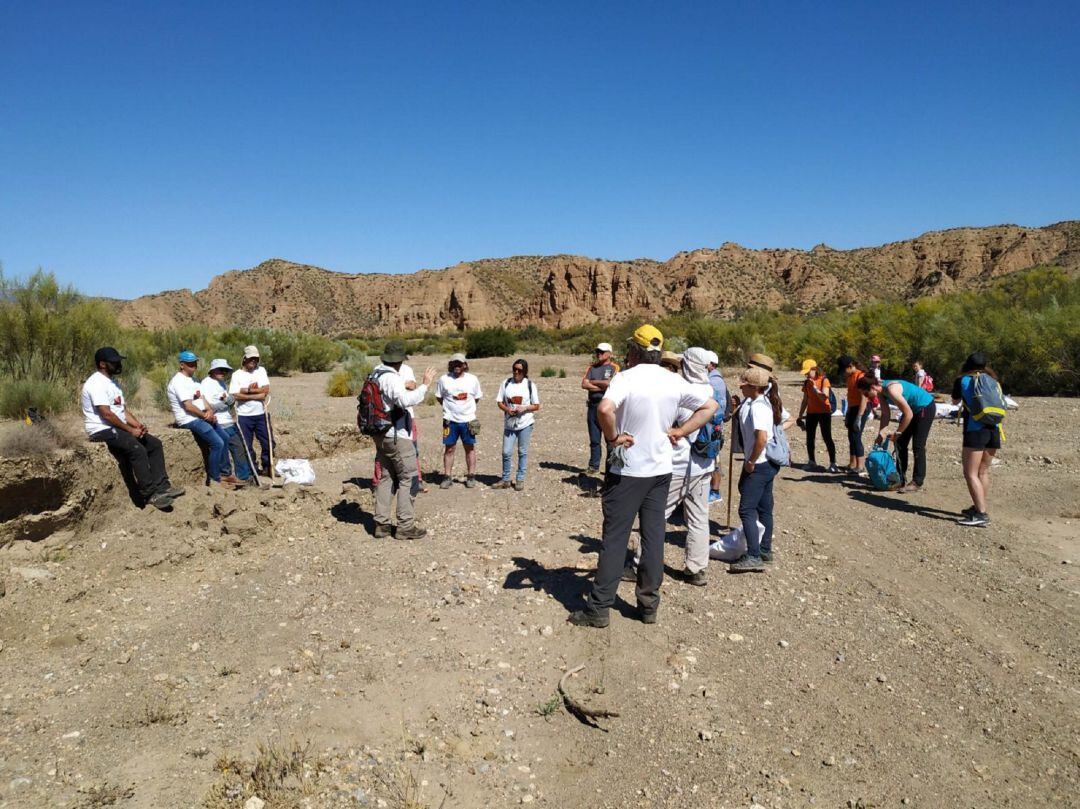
(373,417)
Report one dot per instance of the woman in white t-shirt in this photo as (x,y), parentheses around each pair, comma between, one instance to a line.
(518,400)
(760,414)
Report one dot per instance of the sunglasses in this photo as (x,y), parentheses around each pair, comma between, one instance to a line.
(518,370)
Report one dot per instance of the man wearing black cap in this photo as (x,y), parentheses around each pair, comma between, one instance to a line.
(107,420)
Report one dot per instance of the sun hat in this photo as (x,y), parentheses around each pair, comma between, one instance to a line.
(758,377)
(695,365)
(807,366)
(648,337)
(459,357)
(107,354)
(394,351)
(187,356)
(603,347)
(251,351)
(670,358)
(761,361)
(220,363)
(875,358)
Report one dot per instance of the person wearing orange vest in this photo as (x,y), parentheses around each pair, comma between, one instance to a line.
(816,412)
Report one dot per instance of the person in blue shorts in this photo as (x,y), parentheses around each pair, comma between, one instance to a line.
(917,411)
(458,392)
(980,445)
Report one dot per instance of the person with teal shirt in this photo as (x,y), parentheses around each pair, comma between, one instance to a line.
(916,418)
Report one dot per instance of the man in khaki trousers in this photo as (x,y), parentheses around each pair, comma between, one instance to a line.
(394,449)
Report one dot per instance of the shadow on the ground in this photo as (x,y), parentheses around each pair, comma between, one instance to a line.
(567,585)
(363,483)
(590,487)
(895,503)
(560,467)
(829,477)
(352,514)
(588,544)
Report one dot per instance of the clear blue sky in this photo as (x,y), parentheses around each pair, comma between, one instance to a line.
(147,146)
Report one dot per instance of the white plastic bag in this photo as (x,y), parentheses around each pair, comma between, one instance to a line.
(732,545)
(295,470)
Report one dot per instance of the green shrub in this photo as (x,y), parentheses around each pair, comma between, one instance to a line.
(490,343)
(347,380)
(548,372)
(337,385)
(17,396)
(562,373)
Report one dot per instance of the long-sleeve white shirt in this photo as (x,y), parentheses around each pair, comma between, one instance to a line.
(394,393)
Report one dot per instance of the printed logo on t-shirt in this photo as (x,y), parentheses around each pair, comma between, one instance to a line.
(515,400)
(119,400)
(461,397)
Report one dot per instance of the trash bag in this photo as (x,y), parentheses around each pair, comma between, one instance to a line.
(731,545)
(295,470)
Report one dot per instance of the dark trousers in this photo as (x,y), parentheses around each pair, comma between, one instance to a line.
(756,506)
(624,500)
(823,420)
(855,427)
(596,435)
(915,436)
(252,427)
(142,460)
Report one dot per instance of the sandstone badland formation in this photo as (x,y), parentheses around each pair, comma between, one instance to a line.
(564,291)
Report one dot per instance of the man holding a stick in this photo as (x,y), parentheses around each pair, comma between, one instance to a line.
(250,386)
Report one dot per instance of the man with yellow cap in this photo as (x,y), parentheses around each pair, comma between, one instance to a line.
(636,416)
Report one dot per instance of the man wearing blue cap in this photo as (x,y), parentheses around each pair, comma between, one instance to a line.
(108,420)
(191,412)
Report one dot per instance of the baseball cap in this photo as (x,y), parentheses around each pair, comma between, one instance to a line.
(807,366)
(603,347)
(107,354)
(459,357)
(761,361)
(394,351)
(220,363)
(251,351)
(711,356)
(875,358)
(648,337)
(187,356)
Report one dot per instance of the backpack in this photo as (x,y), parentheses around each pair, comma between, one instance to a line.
(372,415)
(987,405)
(832,394)
(881,466)
(710,438)
(777,450)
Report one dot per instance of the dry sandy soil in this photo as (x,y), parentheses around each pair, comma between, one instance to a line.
(262,643)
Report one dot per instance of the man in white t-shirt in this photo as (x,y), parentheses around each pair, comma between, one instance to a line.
(691,471)
(394,448)
(215,389)
(250,386)
(108,420)
(518,400)
(458,392)
(191,412)
(636,415)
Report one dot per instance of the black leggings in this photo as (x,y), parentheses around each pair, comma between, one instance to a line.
(813,420)
(915,435)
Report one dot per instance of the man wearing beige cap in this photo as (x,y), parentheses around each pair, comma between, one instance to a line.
(458,392)
(596,379)
(250,386)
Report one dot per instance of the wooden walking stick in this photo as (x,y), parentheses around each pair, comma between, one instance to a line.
(730,466)
(270,436)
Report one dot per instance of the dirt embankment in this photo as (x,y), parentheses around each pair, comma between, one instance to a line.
(262,643)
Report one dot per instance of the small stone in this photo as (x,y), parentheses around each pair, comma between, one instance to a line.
(784,644)
(705,735)
(527,799)
(254,802)
(829,762)
(547,631)
(881,678)
(735,637)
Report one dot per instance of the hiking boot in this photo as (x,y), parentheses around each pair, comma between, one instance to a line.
(647,616)
(174,491)
(382,530)
(767,557)
(470,482)
(747,564)
(446,483)
(592,473)
(161,501)
(502,484)
(629,573)
(976,520)
(967,512)
(519,485)
(413,532)
(233,479)
(699,579)
(862,473)
(588,618)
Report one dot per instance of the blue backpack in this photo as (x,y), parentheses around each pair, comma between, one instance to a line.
(710,438)
(881,466)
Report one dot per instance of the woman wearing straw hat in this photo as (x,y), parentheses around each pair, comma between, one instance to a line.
(816,411)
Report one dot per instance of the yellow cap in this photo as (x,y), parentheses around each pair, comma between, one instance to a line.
(807,365)
(648,337)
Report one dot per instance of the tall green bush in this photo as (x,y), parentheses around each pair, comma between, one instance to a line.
(490,343)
